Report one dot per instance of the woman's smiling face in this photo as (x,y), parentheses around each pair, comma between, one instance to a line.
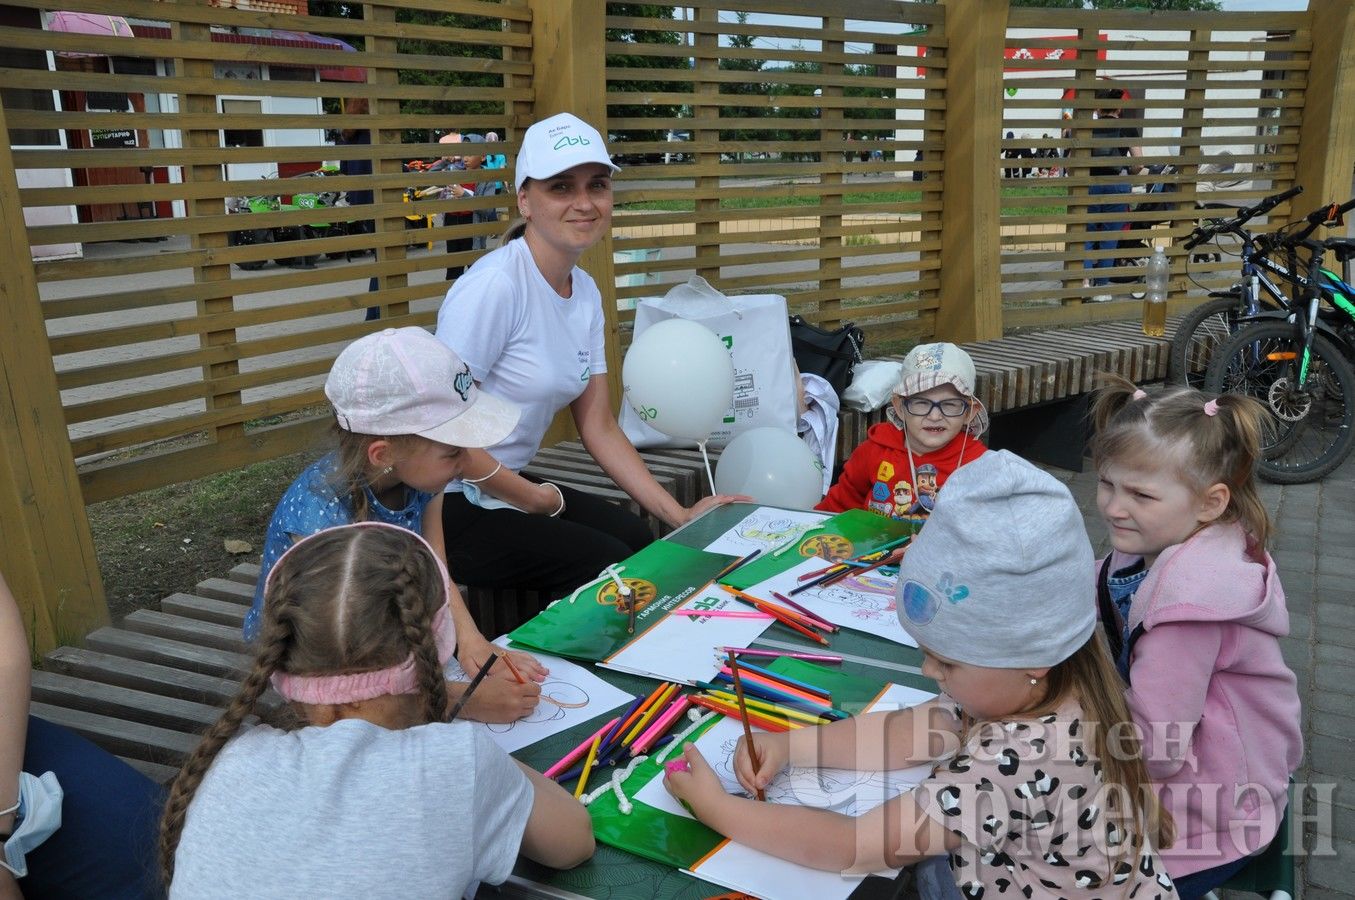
(571,211)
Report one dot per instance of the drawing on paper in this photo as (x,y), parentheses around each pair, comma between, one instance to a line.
(868,597)
(839,790)
(556,697)
(764,530)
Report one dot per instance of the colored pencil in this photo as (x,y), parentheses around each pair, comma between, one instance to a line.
(619,724)
(661,725)
(766,706)
(587,767)
(840,564)
(630,718)
(827,626)
(754,756)
(791,620)
(786,679)
(648,715)
(812,657)
(578,751)
(892,556)
(736,564)
(765,691)
(775,689)
(727,709)
(722,614)
(508,661)
(470,689)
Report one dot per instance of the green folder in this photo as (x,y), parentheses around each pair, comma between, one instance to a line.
(848,534)
(681,842)
(594,624)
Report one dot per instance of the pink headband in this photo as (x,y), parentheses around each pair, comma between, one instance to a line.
(397,679)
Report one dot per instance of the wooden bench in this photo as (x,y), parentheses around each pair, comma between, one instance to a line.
(147,687)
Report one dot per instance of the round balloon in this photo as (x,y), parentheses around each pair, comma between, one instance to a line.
(772,466)
(679,377)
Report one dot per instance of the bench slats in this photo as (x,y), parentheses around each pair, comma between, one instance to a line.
(94,666)
(129,739)
(165,652)
(206,609)
(123,703)
(192,631)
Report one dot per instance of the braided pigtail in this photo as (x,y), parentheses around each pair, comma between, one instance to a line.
(418,595)
(273,649)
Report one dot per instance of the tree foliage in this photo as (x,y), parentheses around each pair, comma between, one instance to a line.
(644,109)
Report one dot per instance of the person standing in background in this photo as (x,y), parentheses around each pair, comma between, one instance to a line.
(353,107)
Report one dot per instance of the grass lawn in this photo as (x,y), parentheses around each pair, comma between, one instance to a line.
(863,198)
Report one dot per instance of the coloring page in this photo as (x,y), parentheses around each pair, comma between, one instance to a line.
(841,790)
(863,602)
(765,528)
(681,648)
(760,874)
(570,694)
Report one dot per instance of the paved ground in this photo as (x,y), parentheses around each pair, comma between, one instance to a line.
(1314,549)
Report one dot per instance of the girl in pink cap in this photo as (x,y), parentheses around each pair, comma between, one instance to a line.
(408,416)
(373,792)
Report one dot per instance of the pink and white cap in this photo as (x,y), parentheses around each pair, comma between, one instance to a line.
(930,365)
(401,678)
(405,381)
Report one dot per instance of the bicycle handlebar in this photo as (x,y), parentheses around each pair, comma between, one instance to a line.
(1204,233)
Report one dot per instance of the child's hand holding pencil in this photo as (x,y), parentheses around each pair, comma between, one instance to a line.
(773,753)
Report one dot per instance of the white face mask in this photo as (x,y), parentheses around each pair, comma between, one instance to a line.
(39,815)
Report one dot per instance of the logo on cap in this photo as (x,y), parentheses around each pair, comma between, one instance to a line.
(462,382)
(567,141)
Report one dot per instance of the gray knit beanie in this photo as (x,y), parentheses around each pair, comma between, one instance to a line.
(1001,575)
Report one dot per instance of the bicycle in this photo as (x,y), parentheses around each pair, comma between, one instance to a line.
(1298,365)
(1206,326)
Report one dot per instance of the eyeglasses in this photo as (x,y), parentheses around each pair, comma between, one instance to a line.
(921,407)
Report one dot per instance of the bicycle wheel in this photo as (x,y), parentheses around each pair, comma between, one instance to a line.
(1199,333)
(1311,428)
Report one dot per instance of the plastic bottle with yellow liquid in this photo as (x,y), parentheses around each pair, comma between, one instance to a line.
(1155,300)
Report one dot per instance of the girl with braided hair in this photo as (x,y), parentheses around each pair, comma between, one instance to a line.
(374,793)
(1193,611)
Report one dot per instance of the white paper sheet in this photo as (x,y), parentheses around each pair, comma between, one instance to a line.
(851,793)
(765,528)
(683,648)
(862,602)
(570,695)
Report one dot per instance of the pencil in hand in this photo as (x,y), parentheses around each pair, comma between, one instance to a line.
(475,683)
(753,756)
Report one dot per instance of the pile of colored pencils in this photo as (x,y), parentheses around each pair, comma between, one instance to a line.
(886,555)
(771,701)
(640,729)
(792,615)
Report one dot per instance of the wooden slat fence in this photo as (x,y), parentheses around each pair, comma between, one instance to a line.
(173,350)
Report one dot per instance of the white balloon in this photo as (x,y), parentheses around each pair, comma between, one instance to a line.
(679,377)
(772,466)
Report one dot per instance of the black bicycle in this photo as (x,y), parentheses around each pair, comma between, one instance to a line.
(1297,363)
(1203,329)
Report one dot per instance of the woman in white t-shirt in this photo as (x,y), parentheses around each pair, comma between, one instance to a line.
(529,323)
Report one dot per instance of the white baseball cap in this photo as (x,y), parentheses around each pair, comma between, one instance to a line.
(405,381)
(561,142)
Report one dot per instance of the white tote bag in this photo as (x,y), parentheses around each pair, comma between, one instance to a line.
(756,330)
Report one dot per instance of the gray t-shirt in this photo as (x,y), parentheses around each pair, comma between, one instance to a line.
(353,810)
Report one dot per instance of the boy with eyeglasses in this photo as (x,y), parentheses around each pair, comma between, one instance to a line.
(934,426)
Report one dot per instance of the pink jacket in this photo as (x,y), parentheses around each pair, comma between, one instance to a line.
(1218,706)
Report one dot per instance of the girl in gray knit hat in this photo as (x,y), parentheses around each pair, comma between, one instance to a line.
(1038,785)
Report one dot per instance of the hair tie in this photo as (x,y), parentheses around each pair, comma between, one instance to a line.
(1211,408)
(1139,394)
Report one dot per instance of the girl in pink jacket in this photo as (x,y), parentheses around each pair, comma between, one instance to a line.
(1193,611)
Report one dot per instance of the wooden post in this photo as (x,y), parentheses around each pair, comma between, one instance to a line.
(971,272)
(46,550)
(832,130)
(568,60)
(1327,139)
